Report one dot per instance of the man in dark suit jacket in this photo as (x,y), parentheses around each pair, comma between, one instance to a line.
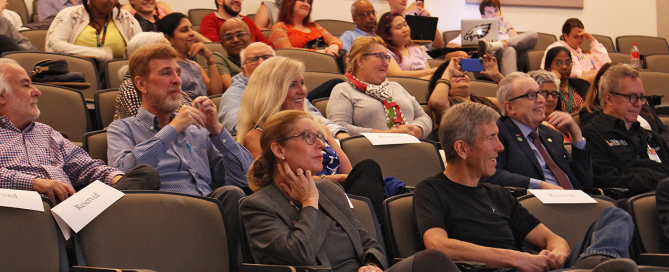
(523,163)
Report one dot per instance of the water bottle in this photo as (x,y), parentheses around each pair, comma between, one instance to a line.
(635,58)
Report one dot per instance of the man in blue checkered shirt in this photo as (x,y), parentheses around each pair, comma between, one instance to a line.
(35,157)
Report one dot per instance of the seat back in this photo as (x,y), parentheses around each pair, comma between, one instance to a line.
(37,37)
(315,79)
(95,144)
(434,63)
(313,61)
(606,41)
(251,16)
(322,105)
(409,163)
(648,234)
(544,40)
(214,47)
(86,66)
(216,99)
(336,27)
(159,231)
(19,6)
(63,109)
(105,107)
(534,58)
(658,63)
(415,86)
(365,214)
(569,221)
(266,32)
(31,241)
(620,57)
(112,76)
(196,15)
(451,34)
(403,238)
(647,45)
(484,88)
(434,134)
(655,83)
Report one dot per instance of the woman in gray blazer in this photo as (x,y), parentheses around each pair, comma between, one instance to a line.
(292,220)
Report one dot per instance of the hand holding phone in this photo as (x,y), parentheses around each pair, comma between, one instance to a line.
(472,65)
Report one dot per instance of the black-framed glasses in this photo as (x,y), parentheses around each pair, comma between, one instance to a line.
(256,59)
(633,98)
(532,95)
(554,94)
(239,35)
(309,137)
(380,55)
(367,13)
(559,63)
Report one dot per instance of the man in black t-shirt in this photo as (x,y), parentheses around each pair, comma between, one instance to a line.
(472,221)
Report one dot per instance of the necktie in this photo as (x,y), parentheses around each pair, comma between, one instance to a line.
(561,177)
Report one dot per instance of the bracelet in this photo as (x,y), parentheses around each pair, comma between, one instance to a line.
(210,63)
(322,176)
(507,30)
(445,81)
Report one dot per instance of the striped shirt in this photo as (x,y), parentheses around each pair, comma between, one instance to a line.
(41,152)
(189,162)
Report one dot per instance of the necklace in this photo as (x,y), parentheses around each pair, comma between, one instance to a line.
(285,196)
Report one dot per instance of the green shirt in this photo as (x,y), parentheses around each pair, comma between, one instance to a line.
(225,65)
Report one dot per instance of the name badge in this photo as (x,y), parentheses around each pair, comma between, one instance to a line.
(653,155)
(84,206)
(20,199)
(562,196)
(390,138)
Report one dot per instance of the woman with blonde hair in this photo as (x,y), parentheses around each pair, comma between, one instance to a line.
(368,102)
(278,85)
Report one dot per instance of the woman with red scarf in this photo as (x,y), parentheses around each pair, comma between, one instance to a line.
(368,102)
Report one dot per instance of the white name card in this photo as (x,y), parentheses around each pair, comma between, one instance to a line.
(84,206)
(20,199)
(562,196)
(390,138)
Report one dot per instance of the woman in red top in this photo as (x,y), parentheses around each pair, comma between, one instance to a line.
(295,28)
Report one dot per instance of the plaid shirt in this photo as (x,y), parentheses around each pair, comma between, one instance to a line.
(41,152)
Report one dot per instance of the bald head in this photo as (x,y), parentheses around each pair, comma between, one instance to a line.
(235,36)
(254,55)
(364,15)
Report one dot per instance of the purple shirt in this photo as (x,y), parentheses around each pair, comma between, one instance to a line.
(45,8)
(41,152)
(414,62)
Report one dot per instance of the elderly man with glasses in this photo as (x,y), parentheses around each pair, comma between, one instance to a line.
(251,57)
(364,17)
(534,156)
(624,154)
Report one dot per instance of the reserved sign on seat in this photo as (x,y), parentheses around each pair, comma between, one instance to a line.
(562,196)
(20,199)
(84,206)
(390,138)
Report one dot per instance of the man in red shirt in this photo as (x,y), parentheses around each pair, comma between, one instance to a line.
(211,24)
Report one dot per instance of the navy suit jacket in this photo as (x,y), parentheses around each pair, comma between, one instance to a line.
(517,163)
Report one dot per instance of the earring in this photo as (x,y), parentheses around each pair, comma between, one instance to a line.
(283,158)
(361,68)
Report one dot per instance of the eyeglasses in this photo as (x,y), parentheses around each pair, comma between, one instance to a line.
(566,62)
(380,55)
(239,35)
(554,94)
(533,95)
(633,98)
(256,59)
(367,13)
(309,137)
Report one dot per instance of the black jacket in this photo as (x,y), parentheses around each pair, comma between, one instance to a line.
(620,157)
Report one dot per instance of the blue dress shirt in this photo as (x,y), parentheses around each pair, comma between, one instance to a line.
(189,162)
(348,37)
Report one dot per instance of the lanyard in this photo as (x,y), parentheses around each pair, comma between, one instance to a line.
(571,98)
(104,36)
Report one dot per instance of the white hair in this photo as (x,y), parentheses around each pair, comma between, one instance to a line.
(504,88)
(6,64)
(138,41)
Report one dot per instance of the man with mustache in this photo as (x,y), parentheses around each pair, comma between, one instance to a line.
(534,156)
(235,37)
(34,157)
(191,150)
(227,9)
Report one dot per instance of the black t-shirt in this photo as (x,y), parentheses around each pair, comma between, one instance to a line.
(146,25)
(486,215)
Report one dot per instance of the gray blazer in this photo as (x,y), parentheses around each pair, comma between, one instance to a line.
(279,234)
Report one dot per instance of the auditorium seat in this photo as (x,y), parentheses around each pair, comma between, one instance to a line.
(315,79)
(313,61)
(648,45)
(655,83)
(322,105)
(19,6)
(37,37)
(336,27)
(620,57)
(196,15)
(64,109)
(544,40)
(658,63)
(112,76)
(534,58)
(647,246)
(414,86)
(105,107)
(606,41)
(450,34)
(484,88)
(95,144)
(214,47)
(364,212)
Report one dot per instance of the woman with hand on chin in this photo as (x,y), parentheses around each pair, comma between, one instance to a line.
(278,85)
(292,219)
(368,102)
(195,81)
(295,28)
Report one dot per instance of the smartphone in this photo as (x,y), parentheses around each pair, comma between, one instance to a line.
(472,65)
